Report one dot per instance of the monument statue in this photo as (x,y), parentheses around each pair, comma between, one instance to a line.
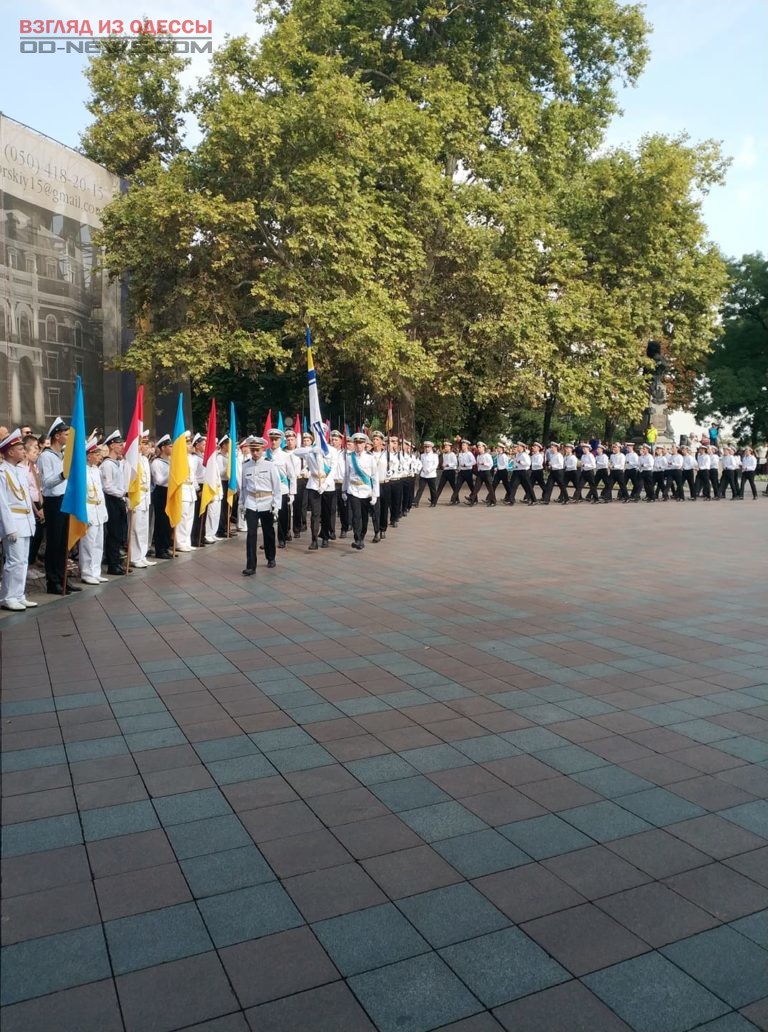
(657,411)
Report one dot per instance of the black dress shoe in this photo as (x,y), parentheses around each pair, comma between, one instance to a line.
(312,547)
(332,535)
(115,571)
(376,538)
(281,544)
(248,572)
(71,589)
(343,534)
(271,564)
(163,555)
(324,543)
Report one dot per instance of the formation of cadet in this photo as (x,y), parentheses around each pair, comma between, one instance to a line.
(289,486)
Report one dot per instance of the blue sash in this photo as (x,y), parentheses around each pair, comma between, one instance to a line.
(356,467)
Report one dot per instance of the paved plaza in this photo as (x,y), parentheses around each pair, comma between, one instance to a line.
(506,770)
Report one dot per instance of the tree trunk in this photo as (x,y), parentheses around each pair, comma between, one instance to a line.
(549,411)
(609,430)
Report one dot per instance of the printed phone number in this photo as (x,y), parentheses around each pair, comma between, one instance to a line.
(28,160)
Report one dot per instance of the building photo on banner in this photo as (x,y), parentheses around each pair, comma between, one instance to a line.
(347,681)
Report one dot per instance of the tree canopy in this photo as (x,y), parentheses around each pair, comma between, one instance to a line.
(423,182)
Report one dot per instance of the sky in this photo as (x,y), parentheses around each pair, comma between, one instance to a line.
(707,77)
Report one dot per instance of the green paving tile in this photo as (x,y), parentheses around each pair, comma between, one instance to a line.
(750,749)
(442,821)
(435,757)
(96,749)
(191,806)
(752,816)
(156,937)
(414,995)
(452,914)
(124,819)
(240,768)
(503,966)
(374,769)
(144,740)
(40,966)
(486,748)
(369,939)
(223,872)
(570,759)
(604,821)
(303,757)
(481,852)
(39,836)
(214,835)
(535,739)
(733,967)
(651,994)
(612,781)
(660,807)
(546,836)
(409,793)
(225,748)
(27,759)
(249,913)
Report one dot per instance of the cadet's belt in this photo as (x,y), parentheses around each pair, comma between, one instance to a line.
(22,512)
(262,494)
(338,481)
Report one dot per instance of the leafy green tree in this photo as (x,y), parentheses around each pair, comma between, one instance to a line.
(136,102)
(736,382)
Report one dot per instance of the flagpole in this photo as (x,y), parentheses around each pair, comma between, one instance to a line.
(66,555)
(128,549)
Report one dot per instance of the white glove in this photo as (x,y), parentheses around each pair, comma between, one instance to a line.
(343,497)
(274,510)
(291,498)
(11,538)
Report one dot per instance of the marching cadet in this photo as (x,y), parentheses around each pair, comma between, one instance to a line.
(449,465)
(502,464)
(394,477)
(91,546)
(287,474)
(571,472)
(361,488)
(645,465)
(381,507)
(113,482)
(222,460)
(466,462)
(537,470)
(428,474)
(689,471)
(320,490)
(262,499)
(660,467)
(140,518)
(714,472)
(339,457)
(748,468)
(183,529)
(243,455)
(159,468)
(17,524)
(587,476)
(675,473)
(702,477)
(53,485)
(728,478)
(618,463)
(197,466)
(632,471)
(602,471)
(406,470)
(484,463)
(299,507)
(556,476)
(521,476)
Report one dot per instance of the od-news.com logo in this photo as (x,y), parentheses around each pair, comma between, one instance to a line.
(83,36)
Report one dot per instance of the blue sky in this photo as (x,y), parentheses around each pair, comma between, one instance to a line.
(707,76)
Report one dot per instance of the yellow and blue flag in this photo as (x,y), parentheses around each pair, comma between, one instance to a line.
(75,497)
(179,467)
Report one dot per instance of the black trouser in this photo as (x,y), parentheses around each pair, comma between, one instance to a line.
(223,526)
(648,482)
(520,478)
(483,478)
(714,482)
(300,506)
(603,477)
(660,484)
(465,477)
(383,505)
(702,483)
(116,531)
(537,478)
(197,536)
(501,476)
(556,478)
(675,483)
(618,478)
(748,477)
(428,482)
(252,521)
(163,536)
(447,476)
(56,530)
(339,507)
(407,494)
(729,480)
(37,538)
(588,478)
(689,479)
(395,501)
(572,477)
(633,481)
(283,520)
(361,509)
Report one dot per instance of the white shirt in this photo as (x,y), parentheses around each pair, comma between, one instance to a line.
(646,461)
(602,461)
(261,485)
(113,477)
(144,479)
(522,460)
(689,462)
(675,460)
(632,460)
(587,461)
(485,461)
(285,470)
(466,460)
(50,463)
(320,468)
(16,515)
(570,462)
(702,461)
(617,460)
(380,458)
(537,460)
(359,469)
(449,460)
(160,469)
(660,463)
(97,509)
(555,460)
(428,465)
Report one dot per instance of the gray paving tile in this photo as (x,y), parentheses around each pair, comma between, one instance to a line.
(42,835)
(435,757)
(282,738)
(752,816)
(755,927)
(303,757)
(481,852)
(409,793)
(727,963)
(546,836)
(45,965)
(225,748)
(156,937)
(452,914)
(222,872)
(123,819)
(612,781)
(604,821)
(413,995)
(374,769)
(569,1007)
(487,747)
(442,820)
(660,807)
(214,835)
(650,994)
(503,966)
(191,806)
(249,913)
(369,938)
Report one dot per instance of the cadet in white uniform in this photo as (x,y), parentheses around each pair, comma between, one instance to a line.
(91,546)
(53,484)
(139,519)
(381,508)
(537,470)
(17,524)
(466,462)
(159,468)
(113,479)
(428,474)
(449,465)
(320,490)
(261,498)
(484,464)
(361,488)
(188,499)
(702,477)
(286,472)
(618,463)
(222,459)
(748,468)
